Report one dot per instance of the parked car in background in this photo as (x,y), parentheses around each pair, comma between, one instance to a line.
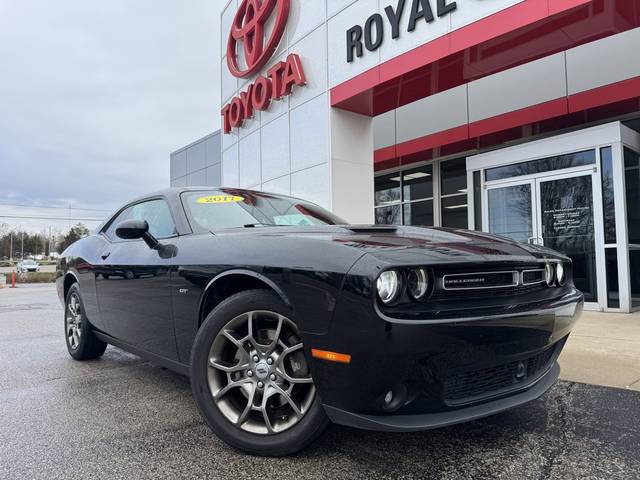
(286,316)
(27,266)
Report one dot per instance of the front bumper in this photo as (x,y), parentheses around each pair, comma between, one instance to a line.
(438,372)
(427,421)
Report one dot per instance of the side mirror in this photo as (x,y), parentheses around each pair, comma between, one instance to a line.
(135,229)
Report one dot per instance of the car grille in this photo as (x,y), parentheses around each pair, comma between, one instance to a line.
(531,277)
(473,385)
(480,280)
(452,283)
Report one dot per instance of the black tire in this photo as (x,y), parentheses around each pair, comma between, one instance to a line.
(88,347)
(298,436)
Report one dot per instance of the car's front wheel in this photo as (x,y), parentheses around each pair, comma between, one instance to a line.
(251,379)
(82,342)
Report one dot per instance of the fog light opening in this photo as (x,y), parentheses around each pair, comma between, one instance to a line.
(394,398)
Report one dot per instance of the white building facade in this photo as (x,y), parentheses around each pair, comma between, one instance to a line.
(517,117)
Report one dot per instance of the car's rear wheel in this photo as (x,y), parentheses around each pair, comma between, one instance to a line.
(82,342)
(251,379)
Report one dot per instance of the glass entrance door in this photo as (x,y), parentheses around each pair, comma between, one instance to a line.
(511,213)
(566,224)
(556,211)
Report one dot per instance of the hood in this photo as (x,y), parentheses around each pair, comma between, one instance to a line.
(411,244)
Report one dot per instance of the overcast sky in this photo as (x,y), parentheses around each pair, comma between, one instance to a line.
(94,95)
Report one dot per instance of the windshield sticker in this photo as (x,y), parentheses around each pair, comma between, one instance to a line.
(220,199)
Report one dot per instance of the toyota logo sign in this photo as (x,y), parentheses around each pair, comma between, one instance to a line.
(248,33)
(249,36)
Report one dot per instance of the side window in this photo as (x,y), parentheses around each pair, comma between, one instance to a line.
(155,212)
(111,231)
(158,215)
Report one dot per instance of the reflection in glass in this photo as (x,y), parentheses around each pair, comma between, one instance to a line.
(613,289)
(477,200)
(418,183)
(453,175)
(388,215)
(510,212)
(632,180)
(419,213)
(454,211)
(453,195)
(567,226)
(634,261)
(608,200)
(387,189)
(577,159)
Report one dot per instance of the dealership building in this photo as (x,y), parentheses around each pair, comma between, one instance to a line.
(516,117)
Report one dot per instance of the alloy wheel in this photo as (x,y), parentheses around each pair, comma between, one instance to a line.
(73,321)
(258,375)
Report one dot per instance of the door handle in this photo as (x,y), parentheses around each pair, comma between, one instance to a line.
(105,256)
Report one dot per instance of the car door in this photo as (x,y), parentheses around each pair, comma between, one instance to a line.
(133,282)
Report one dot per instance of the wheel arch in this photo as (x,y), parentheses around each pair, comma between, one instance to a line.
(231,282)
(69,279)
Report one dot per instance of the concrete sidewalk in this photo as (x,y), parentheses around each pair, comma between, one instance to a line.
(604,349)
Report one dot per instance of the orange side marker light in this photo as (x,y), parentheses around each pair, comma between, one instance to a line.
(331,356)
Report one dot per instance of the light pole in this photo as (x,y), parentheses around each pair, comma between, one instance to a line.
(11,246)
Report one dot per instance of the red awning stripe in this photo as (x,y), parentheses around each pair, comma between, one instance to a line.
(598,97)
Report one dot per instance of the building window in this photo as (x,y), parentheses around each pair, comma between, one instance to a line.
(477,200)
(387,190)
(418,213)
(453,193)
(541,165)
(613,287)
(609,207)
(632,181)
(609,210)
(405,198)
(388,215)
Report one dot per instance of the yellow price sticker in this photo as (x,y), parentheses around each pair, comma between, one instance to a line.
(216,199)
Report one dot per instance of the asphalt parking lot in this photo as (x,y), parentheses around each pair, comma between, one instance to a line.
(122,417)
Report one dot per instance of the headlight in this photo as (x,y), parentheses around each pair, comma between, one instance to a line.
(549,274)
(388,285)
(560,274)
(418,283)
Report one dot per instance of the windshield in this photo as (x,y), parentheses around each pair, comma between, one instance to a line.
(29,262)
(228,208)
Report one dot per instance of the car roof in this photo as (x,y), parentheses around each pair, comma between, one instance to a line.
(173,194)
(176,191)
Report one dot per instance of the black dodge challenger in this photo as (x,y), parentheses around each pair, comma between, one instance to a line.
(286,317)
